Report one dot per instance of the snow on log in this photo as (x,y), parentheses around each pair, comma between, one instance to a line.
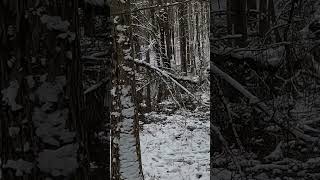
(264,56)
(252,98)
(255,100)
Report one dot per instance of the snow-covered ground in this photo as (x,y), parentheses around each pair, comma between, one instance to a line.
(294,159)
(176,146)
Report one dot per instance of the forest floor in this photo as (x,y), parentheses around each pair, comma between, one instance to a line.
(290,160)
(176,146)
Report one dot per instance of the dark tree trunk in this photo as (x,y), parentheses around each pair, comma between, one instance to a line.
(183,37)
(89,20)
(237,20)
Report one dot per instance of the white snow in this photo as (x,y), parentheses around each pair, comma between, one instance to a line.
(129,164)
(30,81)
(122,28)
(176,147)
(122,38)
(21,166)
(62,161)
(10,94)
(49,92)
(14,131)
(55,23)
(51,127)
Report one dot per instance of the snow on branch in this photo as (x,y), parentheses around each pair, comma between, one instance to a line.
(252,98)
(55,23)
(270,55)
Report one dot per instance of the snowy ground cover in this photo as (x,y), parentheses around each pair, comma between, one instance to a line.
(176,146)
(295,159)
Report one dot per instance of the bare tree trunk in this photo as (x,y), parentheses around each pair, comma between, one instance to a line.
(237,20)
(168,31)
(126,155)
(264,20)
(183,36)
(148,98)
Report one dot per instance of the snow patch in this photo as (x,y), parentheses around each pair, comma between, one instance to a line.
(10,94)
(177,147)
(20,166)
(60,162)
(55,23)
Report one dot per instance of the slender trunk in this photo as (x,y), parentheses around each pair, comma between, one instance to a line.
(237,20)
(264,22)
(182,36)
(148,98)
(126,155)
(168,32)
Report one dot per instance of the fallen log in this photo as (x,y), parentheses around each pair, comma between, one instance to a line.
(255,101)
(235,84)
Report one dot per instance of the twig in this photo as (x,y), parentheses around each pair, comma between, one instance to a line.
(225,144)
(226,106)
(167,84)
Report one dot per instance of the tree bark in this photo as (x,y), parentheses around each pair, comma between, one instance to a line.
(182,36)
(125,152)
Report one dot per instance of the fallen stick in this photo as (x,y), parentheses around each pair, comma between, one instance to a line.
(235,84)
(255,101)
